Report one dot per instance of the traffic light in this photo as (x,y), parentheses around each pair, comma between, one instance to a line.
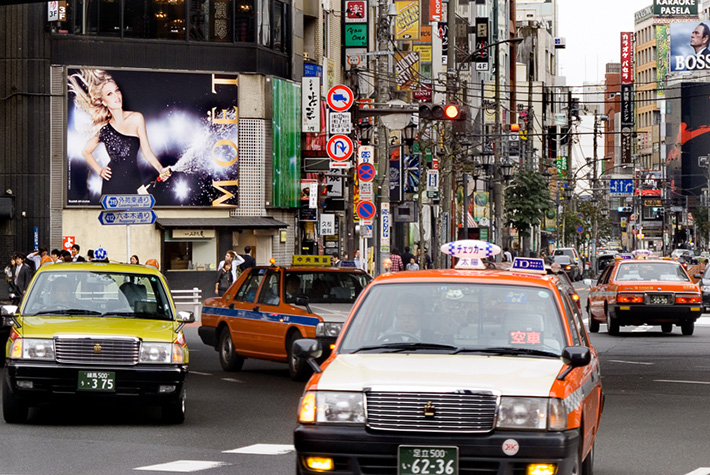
(431,111)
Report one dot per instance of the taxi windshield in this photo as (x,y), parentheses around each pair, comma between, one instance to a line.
(105,294)
(456,317)
(651,271)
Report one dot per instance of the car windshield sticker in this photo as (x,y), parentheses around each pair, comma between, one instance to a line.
(525,338)
(516,297)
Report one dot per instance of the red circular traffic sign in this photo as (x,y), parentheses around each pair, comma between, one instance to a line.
(340,147)
(366,172)
(366,209)
(340,98)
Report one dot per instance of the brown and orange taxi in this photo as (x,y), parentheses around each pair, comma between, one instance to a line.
(270,307)
(454,371)
(644,291)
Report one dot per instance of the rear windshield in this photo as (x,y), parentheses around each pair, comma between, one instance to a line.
(326,287)
(647,271)
(465,316)
(108,294)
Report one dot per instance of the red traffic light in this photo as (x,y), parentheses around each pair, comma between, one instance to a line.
(451,111)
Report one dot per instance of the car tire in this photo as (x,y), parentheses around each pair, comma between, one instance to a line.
(593,324)
(612,324)
(666,327)
(687,328)
(173,412)
(228,357)
(298,369)
(13,410)
(588,463)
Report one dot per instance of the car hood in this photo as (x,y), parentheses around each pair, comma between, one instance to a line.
(332,312)
(512,376)
(50,327)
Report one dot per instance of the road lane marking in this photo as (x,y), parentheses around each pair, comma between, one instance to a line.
(680,381)
(231,380)
(183,466)
(631,362)
(200,373)
(263,449)
(700,471)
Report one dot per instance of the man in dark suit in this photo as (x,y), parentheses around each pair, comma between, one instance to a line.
(407,256)
(249,261)
(22,275)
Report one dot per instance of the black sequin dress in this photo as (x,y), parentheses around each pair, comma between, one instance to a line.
(123,151)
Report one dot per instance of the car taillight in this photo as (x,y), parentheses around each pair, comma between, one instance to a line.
(575,297)
(629,298)
(688,299)
(568,267)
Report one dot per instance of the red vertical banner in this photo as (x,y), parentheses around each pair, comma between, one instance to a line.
(435,10)
(627,57)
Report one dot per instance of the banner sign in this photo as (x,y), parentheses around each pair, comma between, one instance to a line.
(663,48)
(406,68)
(355,11)
(406,23)
(310,104)
(435,10)
(481,44)
(192,127)
(648,183)
(690,48)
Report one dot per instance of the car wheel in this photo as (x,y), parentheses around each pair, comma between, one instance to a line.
(687,328)
(228,357)
(173,412)
(298,369)
(666,327)
(13,410)
(593,324)
(588,464)
(612,325)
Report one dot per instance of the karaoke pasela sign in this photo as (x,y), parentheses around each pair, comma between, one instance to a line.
(675,7)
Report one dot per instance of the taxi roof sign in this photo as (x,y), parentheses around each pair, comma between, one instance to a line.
(308,260)
(470,263)
(529,264)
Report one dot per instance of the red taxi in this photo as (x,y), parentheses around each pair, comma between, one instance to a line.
(644,291)
(270,307)
(454,371)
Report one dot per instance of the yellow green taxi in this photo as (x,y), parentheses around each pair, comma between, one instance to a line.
(99,332)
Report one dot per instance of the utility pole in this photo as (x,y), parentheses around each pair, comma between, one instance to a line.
(595,224)
(383,190)
(497,189)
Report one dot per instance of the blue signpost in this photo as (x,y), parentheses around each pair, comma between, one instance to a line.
(127,210)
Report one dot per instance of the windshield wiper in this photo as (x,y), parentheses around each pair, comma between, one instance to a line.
(397,347)
(66,311)
(506,350)
(151,316)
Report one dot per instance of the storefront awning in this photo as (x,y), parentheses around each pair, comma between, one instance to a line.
(240,222)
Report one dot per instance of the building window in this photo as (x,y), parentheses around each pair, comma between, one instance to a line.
(244,21)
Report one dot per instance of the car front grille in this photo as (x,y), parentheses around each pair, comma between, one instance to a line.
(119,351)
(463,411)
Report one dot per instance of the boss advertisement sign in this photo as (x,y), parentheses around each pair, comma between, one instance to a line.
(689,46)
(172,135)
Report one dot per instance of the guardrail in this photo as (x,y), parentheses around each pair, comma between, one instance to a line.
(190,299)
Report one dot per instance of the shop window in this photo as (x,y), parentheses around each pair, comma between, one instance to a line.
(244,21)
(109,17)
(278,26)
(264,15)
(178,255)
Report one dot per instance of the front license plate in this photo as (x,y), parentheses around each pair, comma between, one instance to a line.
(97,381)
(417,460)
(659,299)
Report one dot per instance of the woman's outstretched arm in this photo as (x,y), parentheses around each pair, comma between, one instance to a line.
(145,146)
(88,154)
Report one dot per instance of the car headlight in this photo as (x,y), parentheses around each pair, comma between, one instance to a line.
(32,349)
(328,329)
(331,407)
(161,353)
(529,413)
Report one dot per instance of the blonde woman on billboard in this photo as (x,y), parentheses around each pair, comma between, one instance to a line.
(122,132)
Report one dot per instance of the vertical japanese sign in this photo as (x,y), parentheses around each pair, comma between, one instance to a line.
(663,46)
(481,45)
(310,104)
(627,95)
(435,10)
(562,167)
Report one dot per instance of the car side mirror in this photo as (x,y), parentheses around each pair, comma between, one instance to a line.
(8,310)
(308,349)
(303,301)
(186,317)
(697,276)
(574,357)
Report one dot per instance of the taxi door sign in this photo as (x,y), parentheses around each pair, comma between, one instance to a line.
(528,264)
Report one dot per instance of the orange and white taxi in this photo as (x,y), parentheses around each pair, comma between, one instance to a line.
(454,371)
(644,291)
(269,307)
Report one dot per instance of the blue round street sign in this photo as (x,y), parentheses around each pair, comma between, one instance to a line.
(366,209)
(580,229)
(366,172)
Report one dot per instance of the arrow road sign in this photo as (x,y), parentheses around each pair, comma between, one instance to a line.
(340,147)
(340,98)
(127,217)
(127,201)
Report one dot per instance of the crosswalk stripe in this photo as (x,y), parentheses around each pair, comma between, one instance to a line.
(262,449)
(183,466)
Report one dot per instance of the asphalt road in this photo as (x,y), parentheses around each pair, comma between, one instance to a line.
(655,419)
